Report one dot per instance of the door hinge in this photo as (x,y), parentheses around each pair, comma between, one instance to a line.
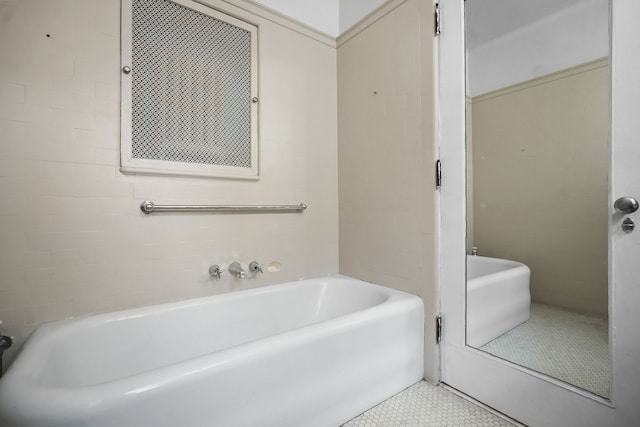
(438,329)
(438,174)
(436,18)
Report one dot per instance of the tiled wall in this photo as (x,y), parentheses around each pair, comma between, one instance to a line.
(72,238)
(387,152)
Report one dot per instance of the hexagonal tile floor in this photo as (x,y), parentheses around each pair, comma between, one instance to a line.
(568,346)
(425,405)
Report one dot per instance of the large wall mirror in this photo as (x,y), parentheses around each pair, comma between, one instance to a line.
(537,185)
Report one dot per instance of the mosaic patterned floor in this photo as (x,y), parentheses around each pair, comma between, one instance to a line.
(425,405)
(567,346)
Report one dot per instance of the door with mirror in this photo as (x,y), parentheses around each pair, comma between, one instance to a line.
(537,186)
(545,91)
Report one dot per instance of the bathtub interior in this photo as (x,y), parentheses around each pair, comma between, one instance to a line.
(104,348)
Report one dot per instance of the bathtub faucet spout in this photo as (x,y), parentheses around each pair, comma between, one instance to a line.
(236,270)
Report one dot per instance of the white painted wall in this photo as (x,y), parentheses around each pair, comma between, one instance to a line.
(572,36)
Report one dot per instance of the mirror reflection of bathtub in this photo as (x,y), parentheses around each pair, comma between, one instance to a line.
(498,297)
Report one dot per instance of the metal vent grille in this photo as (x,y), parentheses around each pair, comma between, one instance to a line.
(191,86)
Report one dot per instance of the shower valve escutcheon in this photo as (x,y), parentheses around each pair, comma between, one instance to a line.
(215,271)
(255,267)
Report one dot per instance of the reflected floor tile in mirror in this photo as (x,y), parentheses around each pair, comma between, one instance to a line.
(568,346)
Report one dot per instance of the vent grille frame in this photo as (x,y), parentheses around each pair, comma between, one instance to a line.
(194,146)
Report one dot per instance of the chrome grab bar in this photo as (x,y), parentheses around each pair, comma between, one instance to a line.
(150,207)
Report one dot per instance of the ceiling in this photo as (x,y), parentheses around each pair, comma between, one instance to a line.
(489,19)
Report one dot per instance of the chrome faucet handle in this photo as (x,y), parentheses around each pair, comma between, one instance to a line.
(215,271)
(255,267)
(235,269)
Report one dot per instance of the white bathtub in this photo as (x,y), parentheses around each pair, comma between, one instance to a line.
(498,297)
(309,353)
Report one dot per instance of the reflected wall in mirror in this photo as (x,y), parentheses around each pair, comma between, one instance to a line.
(537,186)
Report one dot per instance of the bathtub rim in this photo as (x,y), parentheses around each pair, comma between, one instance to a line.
(513,269)
(157,308)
